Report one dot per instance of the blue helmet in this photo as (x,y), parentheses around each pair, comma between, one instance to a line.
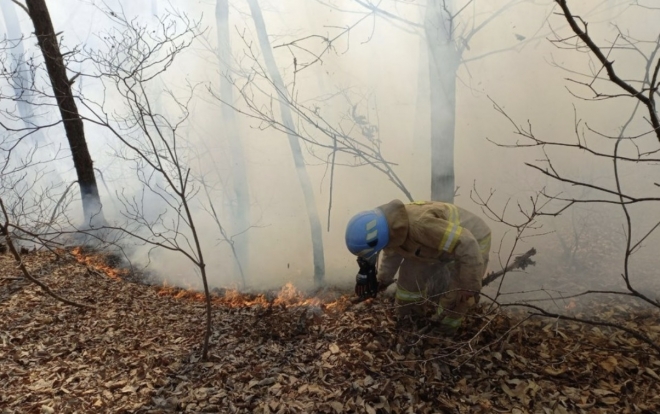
(367,233)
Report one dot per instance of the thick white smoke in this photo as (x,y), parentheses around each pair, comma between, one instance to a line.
(377,70)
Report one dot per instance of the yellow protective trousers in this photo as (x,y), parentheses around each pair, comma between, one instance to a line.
(420,284)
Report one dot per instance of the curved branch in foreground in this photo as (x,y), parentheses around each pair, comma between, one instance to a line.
(609,67)
(5,230)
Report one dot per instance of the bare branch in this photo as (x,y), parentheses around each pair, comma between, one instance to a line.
(21,5)
(328,41)
(10,244)
(609,66)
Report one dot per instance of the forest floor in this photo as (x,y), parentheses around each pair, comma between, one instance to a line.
(138,351)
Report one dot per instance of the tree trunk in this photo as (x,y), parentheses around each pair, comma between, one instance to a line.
(240,203)
(421,138)
(444,60)
(23,84)
(299,160)
(73,124)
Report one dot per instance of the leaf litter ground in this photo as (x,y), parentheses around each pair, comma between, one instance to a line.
(281,352)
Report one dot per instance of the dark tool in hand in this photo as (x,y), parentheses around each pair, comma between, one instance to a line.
(366,283)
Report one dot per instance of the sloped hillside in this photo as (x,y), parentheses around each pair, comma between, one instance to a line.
(137,352)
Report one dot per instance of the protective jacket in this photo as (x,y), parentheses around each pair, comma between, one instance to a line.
(429,235)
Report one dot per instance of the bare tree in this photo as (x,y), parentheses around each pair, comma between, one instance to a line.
(240,202)
(525,218)
(350,140)
(447,27)
(296,151)
(24,76)
(152,141)
(448,36)
(444,61)
(648,87)
(624,150)
(73,124)
(29,208)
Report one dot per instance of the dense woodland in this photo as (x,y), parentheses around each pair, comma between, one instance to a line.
(176,179)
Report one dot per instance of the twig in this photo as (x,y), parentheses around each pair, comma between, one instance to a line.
(66,191)
(609,67)
(26,273)
(224,234)
(541,312)
(332,179)
(21,5)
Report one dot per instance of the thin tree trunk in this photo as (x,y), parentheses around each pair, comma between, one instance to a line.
(299,160)
(73,124)
(240,204)
(24,80)
(444,60)
(14,33)
(421,138)
(199,261)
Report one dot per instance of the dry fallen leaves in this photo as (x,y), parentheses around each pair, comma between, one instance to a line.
(138,352)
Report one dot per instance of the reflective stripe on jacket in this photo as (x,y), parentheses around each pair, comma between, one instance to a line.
(436,232)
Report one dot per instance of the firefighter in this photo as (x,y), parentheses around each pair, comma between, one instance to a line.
(440,251)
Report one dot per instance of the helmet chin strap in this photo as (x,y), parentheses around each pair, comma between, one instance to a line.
(373,259)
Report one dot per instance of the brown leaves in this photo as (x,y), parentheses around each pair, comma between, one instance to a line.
(136,353)
(609,363)
(54,357)
(554,371)
(652,373)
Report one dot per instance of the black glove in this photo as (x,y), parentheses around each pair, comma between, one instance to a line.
(366,283)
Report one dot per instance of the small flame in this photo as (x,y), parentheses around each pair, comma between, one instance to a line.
(98,262)
(288,296)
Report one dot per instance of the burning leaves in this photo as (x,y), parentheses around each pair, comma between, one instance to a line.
(284,352)
(99,263)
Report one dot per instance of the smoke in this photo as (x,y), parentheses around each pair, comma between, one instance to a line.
(378,70)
